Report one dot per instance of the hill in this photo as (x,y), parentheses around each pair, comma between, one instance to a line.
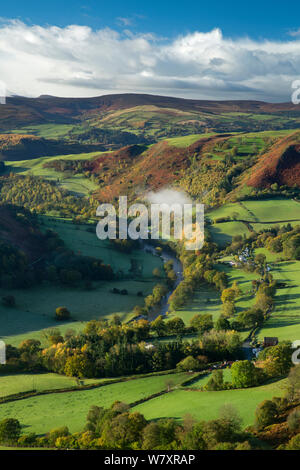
(18,229)
(21,147)
(280,164)
(148,116)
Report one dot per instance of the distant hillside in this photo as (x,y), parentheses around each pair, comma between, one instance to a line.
(25,147)
(17,228)
(148,116)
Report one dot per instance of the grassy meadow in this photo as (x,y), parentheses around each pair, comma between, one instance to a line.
(206,405)
(35,307)
(78,184)
(42,413)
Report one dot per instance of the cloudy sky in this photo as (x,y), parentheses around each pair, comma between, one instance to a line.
(89,50)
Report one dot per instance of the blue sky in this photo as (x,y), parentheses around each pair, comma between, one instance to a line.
(192,49)
(255,18)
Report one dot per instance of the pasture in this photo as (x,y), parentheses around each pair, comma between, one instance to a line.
(17,383)
(205,300)
(206,405)
(35,307)
(187,140)
(43,413)
(284,321)
(48,131)
(75,183)
(261,214)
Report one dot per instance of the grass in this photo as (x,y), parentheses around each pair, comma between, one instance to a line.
(244,280)
(187,140)
(205,378)
(48,131)
(206,405)
(36,306)
(16,383)
(75,183)
(205,300)
(43,413)
(261,214)
(274,210)
(78,239)
(285,319)
(223,233)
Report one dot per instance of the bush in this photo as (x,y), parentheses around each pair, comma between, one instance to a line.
(265,414)
(62,313)
(10,430)
(188,364)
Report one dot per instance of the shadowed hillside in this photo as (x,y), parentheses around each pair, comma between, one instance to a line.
(23,147)
(280,165)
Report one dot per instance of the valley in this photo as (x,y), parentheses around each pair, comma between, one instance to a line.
(153,333)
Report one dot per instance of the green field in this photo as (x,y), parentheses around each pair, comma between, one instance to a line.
(75,183)
(16,383)
(40,414)
(285,319)
(223,233)
(84,242)
(35,307)
(244,280)
(48,131)
(200,382)
(206,405)
(188,140)
(205,300)
(261,214)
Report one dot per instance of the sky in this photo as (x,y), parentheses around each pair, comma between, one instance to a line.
(190,49)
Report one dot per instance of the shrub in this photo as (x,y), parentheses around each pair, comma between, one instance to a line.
(10,430)
(62,313)
(265,414)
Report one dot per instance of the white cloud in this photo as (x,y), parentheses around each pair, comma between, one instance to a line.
(77,61)
(294,32)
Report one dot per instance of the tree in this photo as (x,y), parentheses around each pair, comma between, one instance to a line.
(31,346)
(156,272)
(62,313)
(56,433)
(123,430)
(188,363)
(10,430)
(169,384)
(294,443)
(78,365)
(250,318)
(175,326)
(277,359)
(228,309)
(159,435)
(260,259)
(293,420)
(159,326)
(216,381)
(228,295)
(236,288)
(244,374)
(222,324)
(202,323)
(294,383)
(265,414)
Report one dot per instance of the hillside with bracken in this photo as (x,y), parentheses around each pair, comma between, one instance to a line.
(281,164)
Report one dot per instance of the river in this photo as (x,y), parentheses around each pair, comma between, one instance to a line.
(177,266)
